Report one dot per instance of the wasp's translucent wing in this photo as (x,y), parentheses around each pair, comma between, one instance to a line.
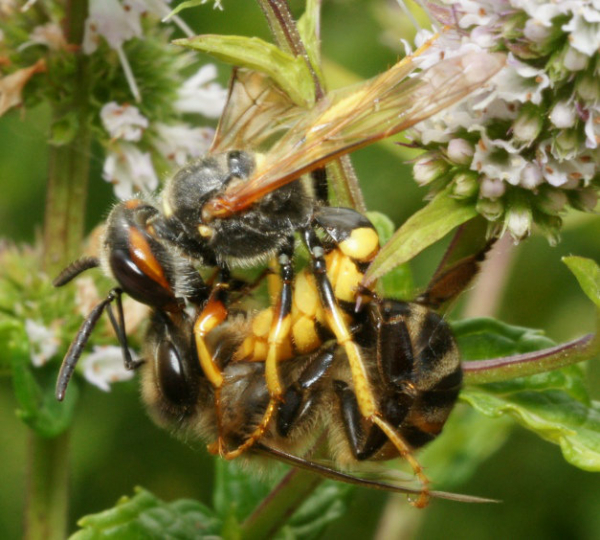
(256,109)
(352,118)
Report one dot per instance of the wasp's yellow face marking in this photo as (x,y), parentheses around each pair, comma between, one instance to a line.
(205,232)
(167,210)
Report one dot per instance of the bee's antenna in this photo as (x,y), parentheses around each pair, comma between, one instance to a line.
(74,269)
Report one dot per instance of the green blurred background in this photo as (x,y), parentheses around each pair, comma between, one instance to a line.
(115,446)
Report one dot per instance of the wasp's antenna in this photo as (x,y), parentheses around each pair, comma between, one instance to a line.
(83,335)
(74,269)
(76,347)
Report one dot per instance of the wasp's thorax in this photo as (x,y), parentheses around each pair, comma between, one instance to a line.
(242,239)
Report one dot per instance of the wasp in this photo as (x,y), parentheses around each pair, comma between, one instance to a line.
(238,206)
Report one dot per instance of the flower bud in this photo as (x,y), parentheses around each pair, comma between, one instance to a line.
(531,176)
(465,185)
(563,115)
(551,201)
(429,168)
(491,210)
(535,31)
(460,151)
(492,188)
(528,124)
(518,221)
(585,199)
(566,144)
(550,226)
(588,88)
(575,60)
(560,68)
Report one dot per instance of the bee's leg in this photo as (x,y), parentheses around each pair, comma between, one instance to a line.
(281,325)
(336,322)
(279,332)
(381,430)
(362,446)
(213,314)
(298,399)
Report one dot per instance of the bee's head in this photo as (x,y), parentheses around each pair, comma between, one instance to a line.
(243,238)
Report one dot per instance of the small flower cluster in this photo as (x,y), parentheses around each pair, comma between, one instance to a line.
(142,95)
(527,146)
(125,45)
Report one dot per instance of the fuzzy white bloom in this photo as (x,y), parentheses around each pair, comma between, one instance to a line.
(584,27)
(129,169)
(460,151)
(179,142)
(43,342)
(110,20)
(200,94)
(123,121)
(535,127)
(563,115)
(492,188)
(105,366)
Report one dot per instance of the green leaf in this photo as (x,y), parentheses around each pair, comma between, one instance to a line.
(398,283)
(422,229)
(328,503)
(290,73)
(482,338)
(34,387)
(587,273)
(185,5)
(237,491)
(555,404)
(145,516)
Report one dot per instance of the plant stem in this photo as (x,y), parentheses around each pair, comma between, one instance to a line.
(521,365)
(342,178)
(46,511)
(280,504)
(69,163)
(47,487)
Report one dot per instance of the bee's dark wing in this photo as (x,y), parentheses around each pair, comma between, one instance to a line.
(352,118)
(334,474)
(255,110)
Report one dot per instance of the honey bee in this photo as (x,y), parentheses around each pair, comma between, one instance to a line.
(237,207)
(411,357)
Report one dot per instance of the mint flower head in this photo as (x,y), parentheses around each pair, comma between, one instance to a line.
(145,95)
(525,147)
